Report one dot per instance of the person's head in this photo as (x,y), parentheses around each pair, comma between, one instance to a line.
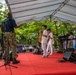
(70,33)
(49,30)
(44,27)
(9,14)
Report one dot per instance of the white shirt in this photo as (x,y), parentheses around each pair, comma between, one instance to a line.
(44,39)
(51,37)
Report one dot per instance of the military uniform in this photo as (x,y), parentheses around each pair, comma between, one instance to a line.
(10,43)
(9,37)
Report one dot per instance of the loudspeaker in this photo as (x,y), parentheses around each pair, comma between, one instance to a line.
(67,55)
(70,49)
(73,57)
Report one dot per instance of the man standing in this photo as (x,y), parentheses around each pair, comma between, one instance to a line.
(44,40)
(8,26)
(49,49)
(70,40)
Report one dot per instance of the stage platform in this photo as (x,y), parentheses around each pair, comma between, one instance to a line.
(31,64)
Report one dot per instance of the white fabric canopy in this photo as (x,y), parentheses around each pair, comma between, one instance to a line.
(35,10)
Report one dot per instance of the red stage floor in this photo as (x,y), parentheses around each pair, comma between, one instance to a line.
(36,65)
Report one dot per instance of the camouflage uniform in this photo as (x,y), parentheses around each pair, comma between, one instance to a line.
(9,37)
(10,43)
(8,26)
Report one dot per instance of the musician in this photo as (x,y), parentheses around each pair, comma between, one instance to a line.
(67,40)
(8,26)
(44,40)
(50,43)
(70,41)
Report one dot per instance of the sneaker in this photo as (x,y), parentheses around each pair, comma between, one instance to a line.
(43,56)
(51,54)
(46,56)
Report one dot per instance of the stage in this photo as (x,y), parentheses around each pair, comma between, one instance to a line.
(31,64)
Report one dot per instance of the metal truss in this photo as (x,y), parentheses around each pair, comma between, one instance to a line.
(58,9)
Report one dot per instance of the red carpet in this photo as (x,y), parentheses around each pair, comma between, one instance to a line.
(36,65)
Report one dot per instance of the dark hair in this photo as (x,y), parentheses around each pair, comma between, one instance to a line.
(44,26)
(71,33)
(48,29)
(9,14)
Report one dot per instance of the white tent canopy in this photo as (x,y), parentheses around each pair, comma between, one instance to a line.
(36,10)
